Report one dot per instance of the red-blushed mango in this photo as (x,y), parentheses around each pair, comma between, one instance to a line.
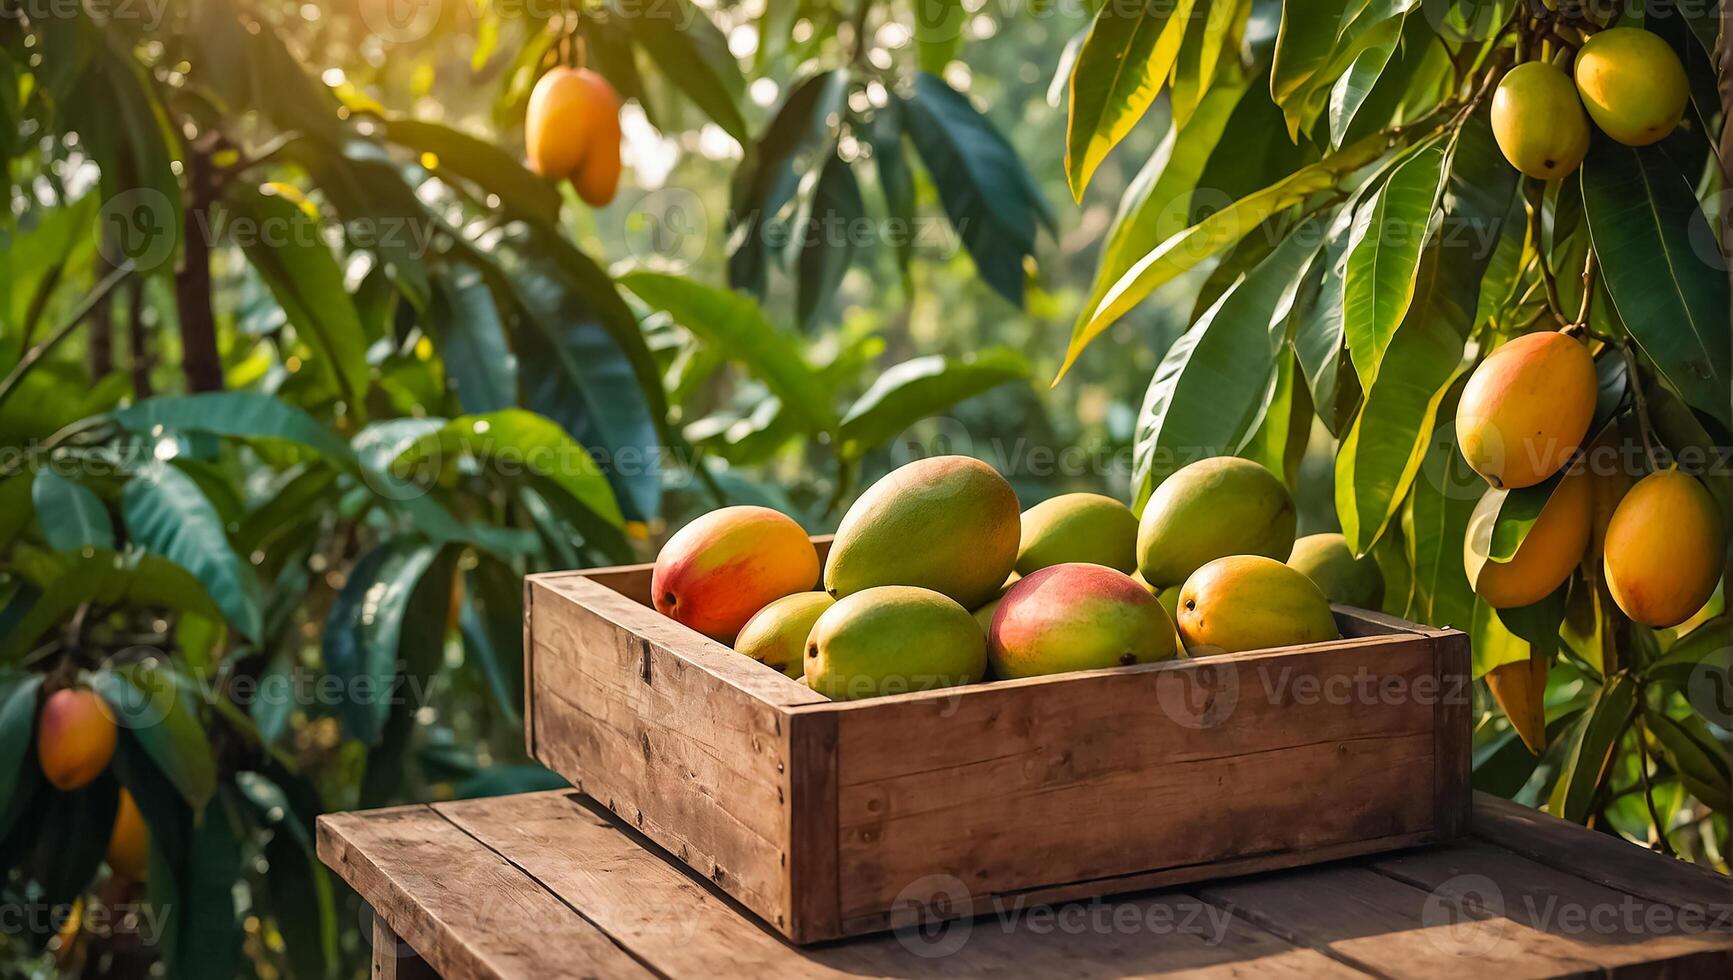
(75,738)
(1633,85)
(948,523)
(776,635)
(1327,560)
(1550,551)
(1077,616)
(893,639)
(129,841)
(1665,549)
(1210,509)
(715,572)
(572,131)
(1249,602)
(1078,527)
(1539,122)
(1526,409)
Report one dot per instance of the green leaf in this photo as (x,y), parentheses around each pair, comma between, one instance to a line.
(35,259)
(242,415)
(70,515)
(1516,517)
(1350,91)
(1213,384)
(465,322)
(1608,716)
(1151,210)
(491,623)
(835,213)
(1121,68)
(1686,657)
(732,322)
(1434,523)
(1648,229)
(300,896)
(1186,249)
(1317,329)
(1538,623)
(482,163)
(156,707)
(1694,754)
(1320,43)
(989,197)
(1384,250)
(895,178)
(307,282)
(362,632)
(69,848)
(133,579)
(938,32)
(1493,643)
(694,56)
(765,181)
(18,696)
(167,514)
(913,390)
(1201,51)
(515,442)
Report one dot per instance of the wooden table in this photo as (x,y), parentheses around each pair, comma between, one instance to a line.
(548,885)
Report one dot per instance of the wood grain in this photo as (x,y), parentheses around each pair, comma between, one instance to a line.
(467,911)
(393,959)
(1453,735)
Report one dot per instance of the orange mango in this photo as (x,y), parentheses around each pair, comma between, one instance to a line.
(1665,549)
(75,738)
(719,570)
(1526,409)
(1548,554)
(572,131)
(129,842)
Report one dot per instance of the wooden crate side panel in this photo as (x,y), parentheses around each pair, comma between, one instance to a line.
(810,876)
(1012,787)
(691,759)
(1453,790)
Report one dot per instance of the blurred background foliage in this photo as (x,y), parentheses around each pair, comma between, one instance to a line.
(303,371)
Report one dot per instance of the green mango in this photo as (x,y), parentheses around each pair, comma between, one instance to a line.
(893,639)
(1078,527)
(1211,509)
(949,524)
(1327,560)
(776,635)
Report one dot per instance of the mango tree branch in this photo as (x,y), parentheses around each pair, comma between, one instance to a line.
(35,354)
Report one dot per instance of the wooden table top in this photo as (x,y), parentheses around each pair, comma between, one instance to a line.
(547,885)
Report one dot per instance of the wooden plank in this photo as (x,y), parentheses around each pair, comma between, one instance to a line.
(1110,773)
(811,868)
(1598,857)
(1375,923)
(466,910)
(683,752)
(1453,735)
(1608,927)
(393,959)
(684,927)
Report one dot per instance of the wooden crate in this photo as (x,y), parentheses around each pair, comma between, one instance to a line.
(833,819)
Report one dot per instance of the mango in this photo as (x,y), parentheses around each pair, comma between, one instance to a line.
(1539,122)
(1526,409)
(1211,509)
(1250,602)
(1077,616)
(1078,527)
(572,131)
(1169,599)
(776,635)
(715,572)
(75,738)
(129,841)
(1633,85)
(949,524)
(892,639)
(1665,549)
(1604,466)
(984,615)
(1550,551)
(1327,560)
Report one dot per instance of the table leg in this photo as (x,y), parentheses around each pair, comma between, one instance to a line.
(393,959)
